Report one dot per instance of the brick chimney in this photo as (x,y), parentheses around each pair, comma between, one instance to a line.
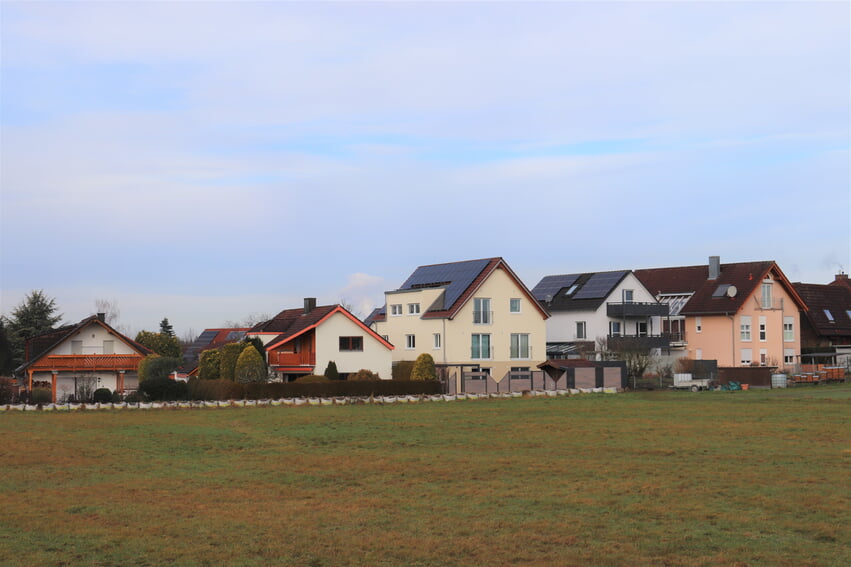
(841,279)
(309,304)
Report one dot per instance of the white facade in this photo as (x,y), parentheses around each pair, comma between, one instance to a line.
(374,355)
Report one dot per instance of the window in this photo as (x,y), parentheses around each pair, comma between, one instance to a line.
(514,305)
(747,357)
(482,311)
(519,345)
(386,337)
(396,309)
(109,347)
(76,347)
(351,344)
(762,331)
(580,330)
(788,329)
(641,328)
(745,328)
(614,328)
(766,295)
(572,289)
(698,324)
(436,343)
(763,357)
(413,309)
(788,356)
(480,346)
(410,342)
(627,296)
(829,315)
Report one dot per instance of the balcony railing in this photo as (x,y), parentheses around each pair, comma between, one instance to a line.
(292,359)
(615,342)
(772,304)
(633,309)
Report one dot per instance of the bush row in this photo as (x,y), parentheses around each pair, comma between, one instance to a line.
(228,390)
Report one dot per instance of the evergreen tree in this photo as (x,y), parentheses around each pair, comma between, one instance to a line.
(250,366)
(424,368)
(166,328)
(208,364)
(36,314)
(331,371)
(229,355)
(162,344)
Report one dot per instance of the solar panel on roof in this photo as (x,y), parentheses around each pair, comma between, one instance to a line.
(456,277)
(599,285)
(550,285)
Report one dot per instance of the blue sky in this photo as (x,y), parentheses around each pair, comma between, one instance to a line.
(213,162)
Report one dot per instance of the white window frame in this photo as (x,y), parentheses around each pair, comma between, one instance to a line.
(581,330)
(763,329)
(765,294)
(413,309)
(517,350)
(612,332)
(410,342)
(698,324)
(395,309)
(745,322)
(788,356)
(763,357)
(512,303)
(628,295)
(746,358)
(436,341)
(482,314)
(789,329)
(478,338)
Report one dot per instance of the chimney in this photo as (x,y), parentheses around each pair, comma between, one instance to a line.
(842,279)
(102,317)
(309,304)
(714,267)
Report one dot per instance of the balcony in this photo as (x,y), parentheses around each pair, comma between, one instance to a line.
(633,309)
(306,359)
(647,342)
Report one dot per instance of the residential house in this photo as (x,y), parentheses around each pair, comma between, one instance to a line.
(303,341)
(599,311)
(739,314)
(826,324)
(210,339)
(476,318)
(75,360)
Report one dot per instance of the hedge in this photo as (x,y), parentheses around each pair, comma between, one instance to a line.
(228,390)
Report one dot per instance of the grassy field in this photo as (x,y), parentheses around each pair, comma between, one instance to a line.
(655,478)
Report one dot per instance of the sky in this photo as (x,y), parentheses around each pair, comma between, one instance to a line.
(217,162)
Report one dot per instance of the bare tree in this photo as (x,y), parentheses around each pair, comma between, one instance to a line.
(112,313)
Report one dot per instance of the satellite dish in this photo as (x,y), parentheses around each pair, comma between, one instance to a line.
(732,291)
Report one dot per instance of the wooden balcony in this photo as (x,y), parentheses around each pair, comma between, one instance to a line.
(306,359)
(87,362)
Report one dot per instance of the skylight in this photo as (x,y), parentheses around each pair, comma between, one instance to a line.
(829,315)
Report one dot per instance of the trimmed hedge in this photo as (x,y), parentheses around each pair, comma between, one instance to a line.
(227,390)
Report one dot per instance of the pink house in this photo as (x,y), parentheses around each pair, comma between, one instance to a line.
(740,314)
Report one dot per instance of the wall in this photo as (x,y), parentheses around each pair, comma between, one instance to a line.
(93,336)
(375,355)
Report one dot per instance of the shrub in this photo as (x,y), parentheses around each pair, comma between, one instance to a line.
(7,390)
(219,389)
(363,374)
(102,395)
(163,389)
(331,371)
(159,367)
(229,354)
(41,396)
(424,368)
(250,366)
(402,370)
(208,364)
(312,379)
(133,398)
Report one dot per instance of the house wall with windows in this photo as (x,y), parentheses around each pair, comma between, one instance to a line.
(351,348)
(498,328)
(562,325)
(764,331)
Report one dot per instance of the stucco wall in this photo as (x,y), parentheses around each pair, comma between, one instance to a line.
(93,337)
(375,355)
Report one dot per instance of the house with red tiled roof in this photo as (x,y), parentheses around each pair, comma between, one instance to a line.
(474,317)
(75,360)
(210,339)
(303,341)
(826,324)
(740,314)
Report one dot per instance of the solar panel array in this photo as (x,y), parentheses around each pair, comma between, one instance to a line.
(206,337)
(599,285)
(551,285)
(235,336)
(459,276)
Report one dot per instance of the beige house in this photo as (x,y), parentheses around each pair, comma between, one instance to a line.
(474,317)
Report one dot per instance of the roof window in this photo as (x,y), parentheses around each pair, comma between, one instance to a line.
(829,315)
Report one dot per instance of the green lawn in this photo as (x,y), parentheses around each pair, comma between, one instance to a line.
(655,478)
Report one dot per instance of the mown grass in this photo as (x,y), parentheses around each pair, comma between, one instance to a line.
(656,478)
